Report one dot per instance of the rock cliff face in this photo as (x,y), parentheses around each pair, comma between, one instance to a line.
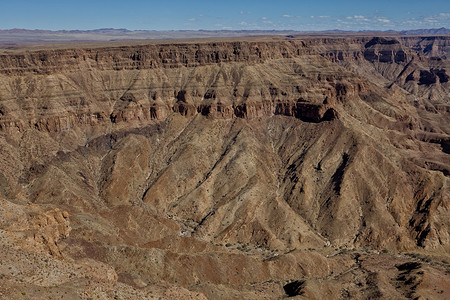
(144,57)
(229,169)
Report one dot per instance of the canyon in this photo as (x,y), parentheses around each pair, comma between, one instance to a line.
(244,168)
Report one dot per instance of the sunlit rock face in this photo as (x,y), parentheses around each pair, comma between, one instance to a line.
(227,169)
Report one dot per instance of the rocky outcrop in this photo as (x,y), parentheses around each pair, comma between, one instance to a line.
(36,231)
(384,51)
(49,228)
(432,76)
(304,111)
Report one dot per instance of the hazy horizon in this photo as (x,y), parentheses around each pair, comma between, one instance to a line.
(212,30)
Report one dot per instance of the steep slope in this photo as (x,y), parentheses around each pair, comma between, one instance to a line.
(232,168)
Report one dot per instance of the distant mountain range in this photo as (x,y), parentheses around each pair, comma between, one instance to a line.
(437,31)
(25,36)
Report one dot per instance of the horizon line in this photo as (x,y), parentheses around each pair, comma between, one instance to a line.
(221,30)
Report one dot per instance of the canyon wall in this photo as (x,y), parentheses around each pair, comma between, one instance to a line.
(231,163)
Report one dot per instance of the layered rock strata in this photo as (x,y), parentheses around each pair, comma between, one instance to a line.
(230,169)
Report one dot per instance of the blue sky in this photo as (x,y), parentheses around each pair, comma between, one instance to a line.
(226,14)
